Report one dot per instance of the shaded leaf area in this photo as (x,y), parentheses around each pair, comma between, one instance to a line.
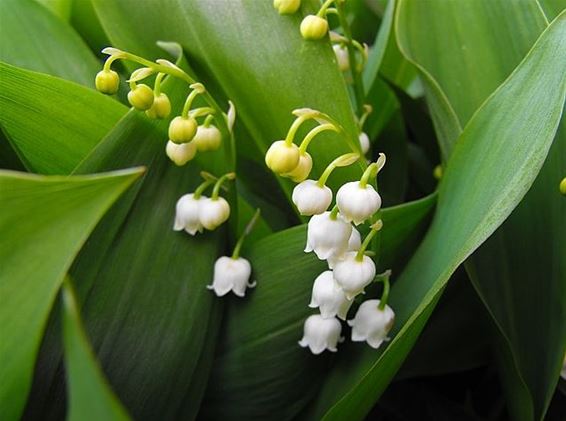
(519,274)
(141,285)
(36,255)
(454,338)
(9,159)
(494,162)
(36,39)
(519,271)
(34,106)
(260,370)
(91,397)
(85,21)
(267,70)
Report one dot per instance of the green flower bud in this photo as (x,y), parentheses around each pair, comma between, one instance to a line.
(207,138)
(161,107)
(563,186)
(287,7)
(281,157)
(141,97)
(182,130)
(107,82)
(314,27)
(302,170)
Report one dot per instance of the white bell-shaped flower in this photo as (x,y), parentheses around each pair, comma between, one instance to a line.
(329,297)
(372,324)
(180,153)
(364,142)
(326,236)
(320,334)
(213,212)
(187,214)
(310,198)
(354,275)
(342,57)
(231,275)
(354,243)
(356,202)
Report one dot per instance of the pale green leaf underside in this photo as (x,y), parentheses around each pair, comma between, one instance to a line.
(43,223)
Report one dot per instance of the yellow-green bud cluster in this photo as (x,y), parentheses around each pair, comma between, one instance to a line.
(161,107)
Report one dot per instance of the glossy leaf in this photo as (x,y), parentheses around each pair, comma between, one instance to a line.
(51,123)
(36,39)
(493,164)
(274,65)
(59,214)
(486,57)
(60,8)
(260,369)
(505,271)
(90,396)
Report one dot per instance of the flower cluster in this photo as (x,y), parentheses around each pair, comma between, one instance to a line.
(333,238)
(186,135)
(195,212)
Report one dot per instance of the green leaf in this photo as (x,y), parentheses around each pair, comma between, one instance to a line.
(60,8)
(552,8)
(485,56)
(51,123)
(86,23)
(141,285)
(493,164)
(90,396)
(260,369)
(274,64)
(36,39)
(512,256)
(44,222)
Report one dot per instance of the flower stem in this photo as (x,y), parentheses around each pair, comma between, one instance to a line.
(325,5)
(385,293)
(374,230)
(247,230)
(310,135)
(293,129)
(356,75)
(218,185)
(198,89)
(372,170)
(341,161)
(334,213)
(157,85)
(201,188)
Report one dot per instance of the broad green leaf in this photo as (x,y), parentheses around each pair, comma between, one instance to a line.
(53,124)
(501,265)
(60,8)
(43,224)
(142,286)
(90,396)
(86,23)
(487,51)
(552,8)
(260,370)
(36,39)
(277,71)
(493,164)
